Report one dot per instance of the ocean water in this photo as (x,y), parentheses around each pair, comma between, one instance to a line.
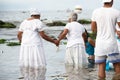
(9,56)
(18,16)
(59,14)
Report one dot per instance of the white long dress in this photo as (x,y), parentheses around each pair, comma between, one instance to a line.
(32,55)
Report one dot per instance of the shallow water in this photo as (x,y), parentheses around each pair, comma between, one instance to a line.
(9,57)
(56,69)
(9,66)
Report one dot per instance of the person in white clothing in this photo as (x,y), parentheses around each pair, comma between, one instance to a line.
(104,21)
(75,48)
(32,57)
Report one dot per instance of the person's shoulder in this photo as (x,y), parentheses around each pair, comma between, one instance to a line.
(115,10)
(29,19)
(37,21)
(32,20)
(24,21)
(68,24)
(79,23)
(76,22)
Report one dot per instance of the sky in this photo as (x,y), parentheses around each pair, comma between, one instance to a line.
(49,4)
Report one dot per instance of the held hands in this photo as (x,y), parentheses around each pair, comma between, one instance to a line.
(56,42)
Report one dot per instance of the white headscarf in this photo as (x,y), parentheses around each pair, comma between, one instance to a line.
(34,12)
(104,1)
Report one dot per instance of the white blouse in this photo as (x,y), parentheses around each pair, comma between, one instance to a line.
(31,29)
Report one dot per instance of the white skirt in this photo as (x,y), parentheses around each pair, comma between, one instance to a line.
(32,56)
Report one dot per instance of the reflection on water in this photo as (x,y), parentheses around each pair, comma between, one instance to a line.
(76,73)
(9,68)
(32,73)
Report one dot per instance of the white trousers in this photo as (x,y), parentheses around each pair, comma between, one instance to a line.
(75,55)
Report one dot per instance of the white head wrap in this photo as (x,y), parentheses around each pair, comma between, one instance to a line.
(104,1)
(34,12)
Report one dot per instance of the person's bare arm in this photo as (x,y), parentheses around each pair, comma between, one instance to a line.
(94,26)
(91,41)
(19,36)
(84,36)
(118,32)
(118,24)
(63,34)
(44,36)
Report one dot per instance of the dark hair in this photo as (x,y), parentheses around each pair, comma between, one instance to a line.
(109,2)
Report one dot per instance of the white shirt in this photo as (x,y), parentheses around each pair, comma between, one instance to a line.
(30,29)
(106,19)
(74,35)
